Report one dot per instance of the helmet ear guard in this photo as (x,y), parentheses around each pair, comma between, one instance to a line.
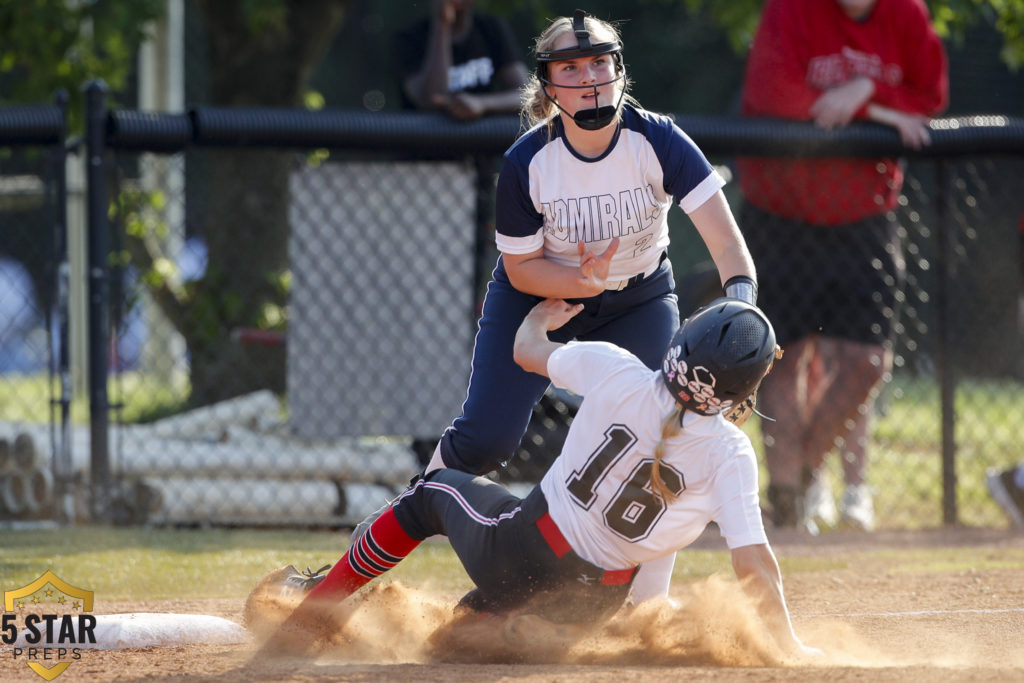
(719,356)
(587,119)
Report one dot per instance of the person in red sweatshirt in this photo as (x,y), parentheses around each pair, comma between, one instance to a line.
(823,233)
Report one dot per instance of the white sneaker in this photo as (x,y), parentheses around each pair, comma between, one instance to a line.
(1004,490)
(857,509)
(819,505)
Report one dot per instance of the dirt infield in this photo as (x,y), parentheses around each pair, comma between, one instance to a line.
(877,618)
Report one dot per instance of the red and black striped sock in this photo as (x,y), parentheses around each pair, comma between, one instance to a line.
(384,545)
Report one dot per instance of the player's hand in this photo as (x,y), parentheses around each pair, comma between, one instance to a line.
(594,268)
(551,314)
(836,106)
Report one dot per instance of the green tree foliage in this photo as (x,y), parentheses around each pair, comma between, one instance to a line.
(50,44)
(260,53)
(953,17)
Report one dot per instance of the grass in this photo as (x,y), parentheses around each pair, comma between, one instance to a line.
(26,398)
(906,459)
(161,564)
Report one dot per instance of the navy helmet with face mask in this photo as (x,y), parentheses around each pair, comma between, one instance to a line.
(600,116)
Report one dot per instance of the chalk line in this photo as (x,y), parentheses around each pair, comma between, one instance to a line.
(916,613)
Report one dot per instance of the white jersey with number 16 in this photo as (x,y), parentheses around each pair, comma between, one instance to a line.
(598,492)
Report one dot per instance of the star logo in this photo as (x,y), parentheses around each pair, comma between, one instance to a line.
(59,632)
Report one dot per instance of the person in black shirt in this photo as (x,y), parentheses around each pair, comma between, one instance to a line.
(460,61)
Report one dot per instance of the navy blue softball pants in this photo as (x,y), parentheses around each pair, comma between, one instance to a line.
(511,549)
(640,318)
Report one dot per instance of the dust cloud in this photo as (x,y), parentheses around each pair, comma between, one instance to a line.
(712,624)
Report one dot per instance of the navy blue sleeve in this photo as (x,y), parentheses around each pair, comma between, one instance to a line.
(683,165)
(515,215)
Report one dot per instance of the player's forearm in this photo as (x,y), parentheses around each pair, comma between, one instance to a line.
(532,348)
(717,227)
(541,277)
(759,572)
(432,78)
(501,102)
(767,591)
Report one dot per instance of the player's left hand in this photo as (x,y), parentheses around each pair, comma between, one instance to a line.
(551,314)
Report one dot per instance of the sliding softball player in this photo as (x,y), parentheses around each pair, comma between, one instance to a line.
(649,461)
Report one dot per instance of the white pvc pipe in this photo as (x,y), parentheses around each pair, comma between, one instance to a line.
(260,456)
(39,490)
(24,452)
(211,421)
(253,501)
(136,451)
(14,486)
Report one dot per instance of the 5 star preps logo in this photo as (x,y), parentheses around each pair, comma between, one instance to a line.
(53,620)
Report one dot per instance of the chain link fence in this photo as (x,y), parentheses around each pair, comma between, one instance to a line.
(34,394)
(955,385)
(292,330)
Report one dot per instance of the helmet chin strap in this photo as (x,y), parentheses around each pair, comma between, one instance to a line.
(597,117)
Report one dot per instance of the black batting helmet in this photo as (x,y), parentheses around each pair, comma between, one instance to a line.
(718,356)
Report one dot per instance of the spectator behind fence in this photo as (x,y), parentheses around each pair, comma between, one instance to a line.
(824,237)
(460,61)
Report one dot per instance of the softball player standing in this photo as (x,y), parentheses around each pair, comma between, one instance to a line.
(649,461)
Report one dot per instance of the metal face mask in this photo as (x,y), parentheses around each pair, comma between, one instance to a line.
(587,119)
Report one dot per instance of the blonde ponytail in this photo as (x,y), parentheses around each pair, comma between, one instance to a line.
(670,427)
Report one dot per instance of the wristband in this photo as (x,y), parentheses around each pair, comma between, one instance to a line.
(741,287)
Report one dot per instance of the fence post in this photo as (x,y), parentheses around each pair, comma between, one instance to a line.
(946,256)
(60,365)
(99,347)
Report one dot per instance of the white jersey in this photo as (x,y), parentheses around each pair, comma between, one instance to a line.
(597,490)
(549,196)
